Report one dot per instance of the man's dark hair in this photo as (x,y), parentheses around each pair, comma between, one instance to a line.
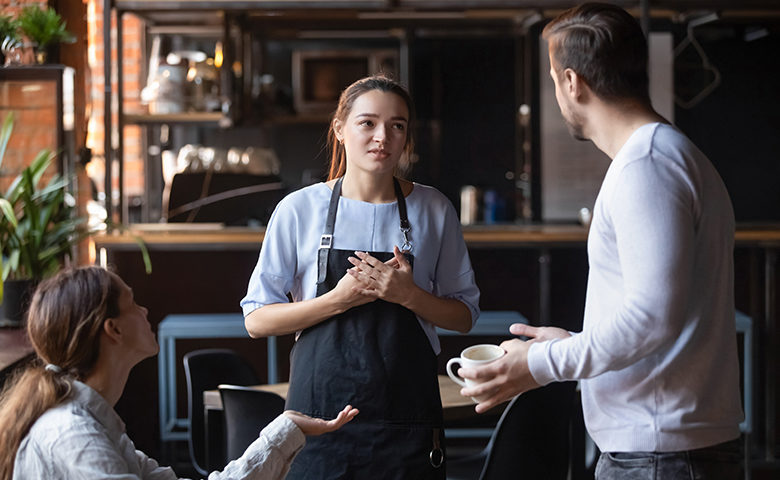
(604,45)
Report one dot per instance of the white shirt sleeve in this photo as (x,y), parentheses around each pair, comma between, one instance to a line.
(85,451)
(269,457)
(650,210)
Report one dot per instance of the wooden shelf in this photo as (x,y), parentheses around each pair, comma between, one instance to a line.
(476,236)
(182,118)
(191,118)
(209,5)
(293,119)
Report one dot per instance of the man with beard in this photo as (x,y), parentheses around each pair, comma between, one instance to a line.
(657,355)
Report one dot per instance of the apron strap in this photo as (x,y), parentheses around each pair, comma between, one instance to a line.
(326,240)
(406,227)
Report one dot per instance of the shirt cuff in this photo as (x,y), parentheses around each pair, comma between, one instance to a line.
(538,363)
(284,434)
(250,307)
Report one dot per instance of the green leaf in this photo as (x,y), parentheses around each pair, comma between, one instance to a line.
(9,28)
(13,261)
(35,170)
(43,26)
(6,270)
(5,134)
(138,240)
(38,228)
(40,163)
(8,211)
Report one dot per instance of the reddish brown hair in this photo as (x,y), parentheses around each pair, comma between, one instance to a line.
(338,157)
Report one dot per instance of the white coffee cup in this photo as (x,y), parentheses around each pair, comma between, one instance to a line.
(474,356)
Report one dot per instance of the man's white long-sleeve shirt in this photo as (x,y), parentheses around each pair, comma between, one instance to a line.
(657,354)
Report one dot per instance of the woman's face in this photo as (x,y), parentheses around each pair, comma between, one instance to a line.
(375,131)
(133,323)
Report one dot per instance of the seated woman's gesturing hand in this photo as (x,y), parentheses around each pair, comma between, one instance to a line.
(318,426)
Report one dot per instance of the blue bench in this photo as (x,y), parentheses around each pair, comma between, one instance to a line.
(490,323)
(231,325)
(180,326)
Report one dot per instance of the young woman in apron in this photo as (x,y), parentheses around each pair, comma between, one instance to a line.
(373,264)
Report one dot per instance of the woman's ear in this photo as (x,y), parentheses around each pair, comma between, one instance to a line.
(338,127)
(112,331)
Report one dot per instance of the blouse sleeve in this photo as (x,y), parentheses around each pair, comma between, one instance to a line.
(273,275)
(454,274)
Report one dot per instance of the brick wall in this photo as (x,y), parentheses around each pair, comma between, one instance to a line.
(132,55)
(33,105)
(13,7)
(35,124)
(33,130)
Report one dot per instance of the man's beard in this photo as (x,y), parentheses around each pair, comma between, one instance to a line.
(575,129)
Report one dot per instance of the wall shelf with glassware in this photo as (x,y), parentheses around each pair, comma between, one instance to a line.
(284,68)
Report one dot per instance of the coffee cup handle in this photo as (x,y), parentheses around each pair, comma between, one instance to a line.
(454,377)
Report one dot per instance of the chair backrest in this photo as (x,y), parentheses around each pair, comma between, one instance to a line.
(206,370)
(533,435)
(247,411)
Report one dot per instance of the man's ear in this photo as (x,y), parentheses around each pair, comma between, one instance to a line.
(571,83)
(112,330)
(576,87)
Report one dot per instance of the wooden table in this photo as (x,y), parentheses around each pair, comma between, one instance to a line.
(454,405)
(14,345)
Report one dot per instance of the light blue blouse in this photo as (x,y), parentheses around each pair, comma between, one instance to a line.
(288,258)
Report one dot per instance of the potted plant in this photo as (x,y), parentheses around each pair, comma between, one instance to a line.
(45,28)
(9,38)
(39,228)
(8,27)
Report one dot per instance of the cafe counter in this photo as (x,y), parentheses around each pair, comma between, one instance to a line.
(215,236)
(537,270)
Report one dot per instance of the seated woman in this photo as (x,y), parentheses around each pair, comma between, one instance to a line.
(57,418)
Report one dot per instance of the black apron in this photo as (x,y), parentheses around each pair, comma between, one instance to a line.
(377,358)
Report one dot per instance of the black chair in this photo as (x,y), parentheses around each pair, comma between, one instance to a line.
(247,411)
(531,440)
(206,370)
